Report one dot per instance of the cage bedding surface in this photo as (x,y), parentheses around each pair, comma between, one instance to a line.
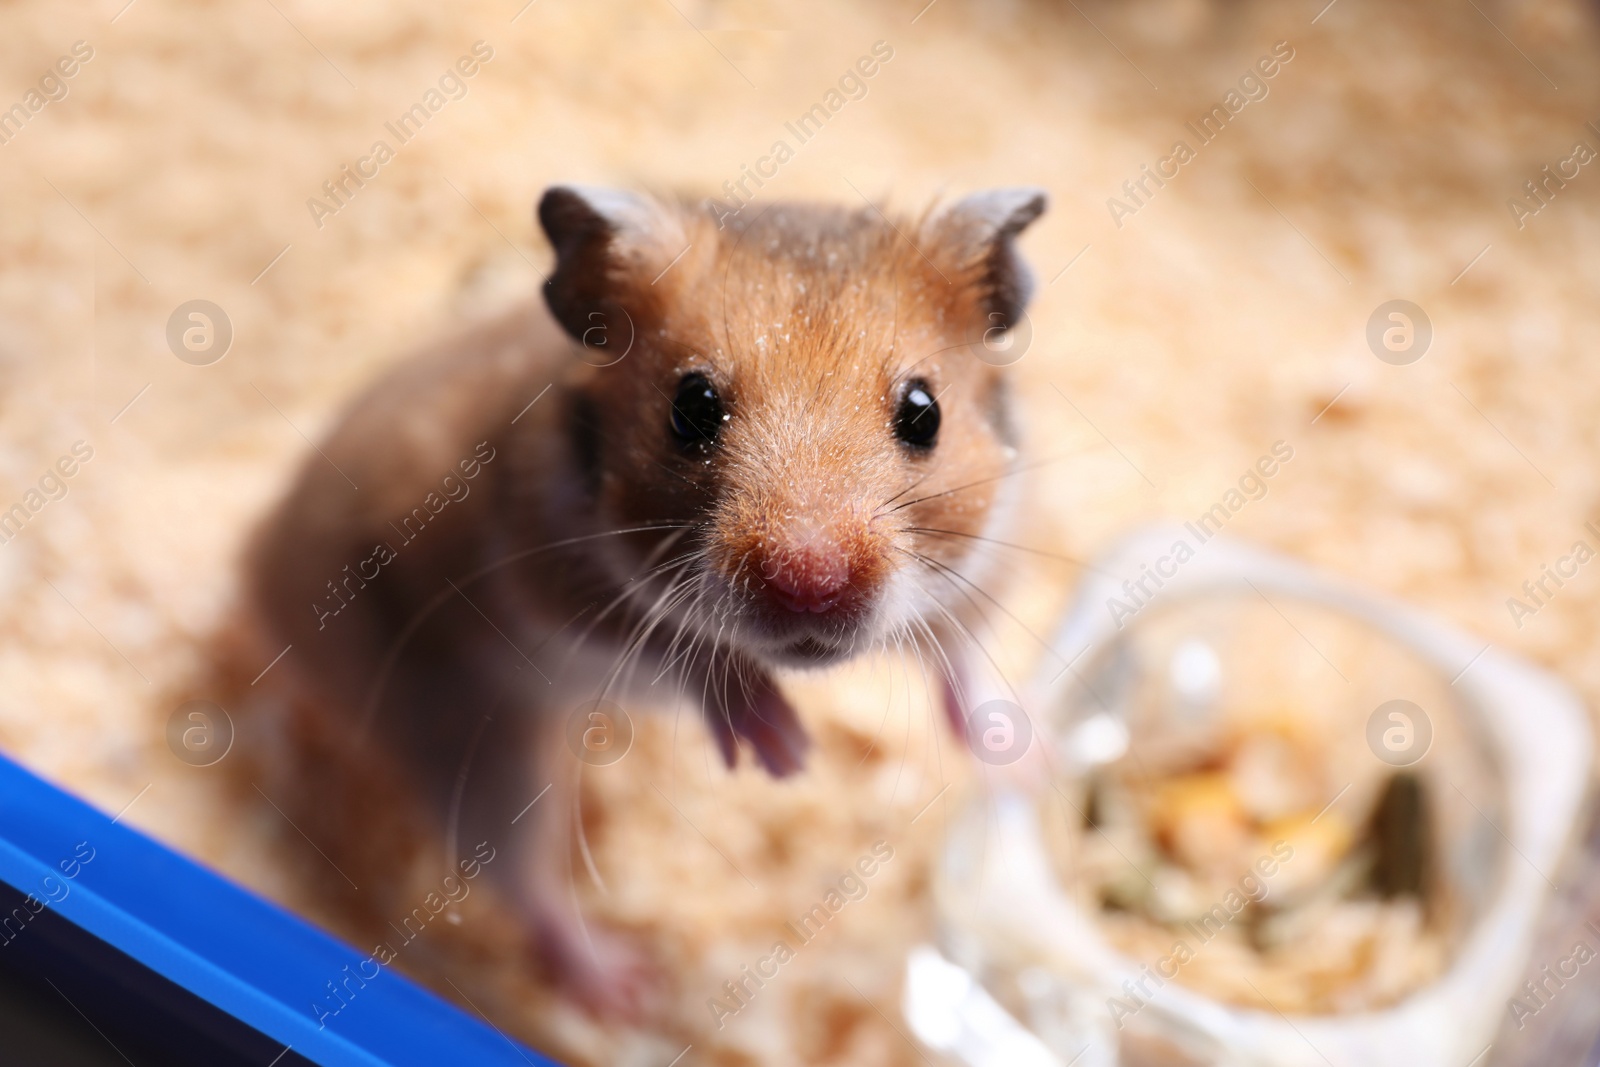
(1226,313)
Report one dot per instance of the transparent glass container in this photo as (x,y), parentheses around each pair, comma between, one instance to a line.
(1284,823)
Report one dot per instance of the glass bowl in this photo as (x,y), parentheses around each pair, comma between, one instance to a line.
(1285,822)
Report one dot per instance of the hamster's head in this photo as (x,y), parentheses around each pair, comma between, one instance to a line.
(807,400)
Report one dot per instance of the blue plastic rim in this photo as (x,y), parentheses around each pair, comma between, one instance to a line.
(249,959)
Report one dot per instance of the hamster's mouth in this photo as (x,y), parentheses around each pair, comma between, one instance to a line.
(808,651)
(812,649)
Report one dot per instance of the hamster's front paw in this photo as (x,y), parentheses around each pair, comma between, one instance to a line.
(752,708)
(603,970)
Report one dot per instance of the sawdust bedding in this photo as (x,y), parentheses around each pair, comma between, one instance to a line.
(1169,352)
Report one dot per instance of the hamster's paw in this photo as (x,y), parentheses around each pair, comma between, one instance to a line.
(950,696)
(602,970)
(752,708)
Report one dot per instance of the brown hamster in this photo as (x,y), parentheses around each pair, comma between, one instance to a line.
(723,451)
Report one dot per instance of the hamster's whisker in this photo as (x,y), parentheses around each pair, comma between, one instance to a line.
(686,591)
(632,587)
(976,643)
(673,655)
(939,571)
(888,703)
(933,531)
(711,605)
(946,569)
(582,835)
(688,620)
(730,670)
(984,481)
(452,820)
(717,646)
(905,748)
(702,617)
(935,702)
(639,627)
(934,646)
(707,690)
(620,676)
(666,545)
(391,657)
(903,492)
(675,593)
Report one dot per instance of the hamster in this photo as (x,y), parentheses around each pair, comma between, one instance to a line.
(722,449)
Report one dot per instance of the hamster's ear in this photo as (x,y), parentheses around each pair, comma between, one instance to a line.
(977,236)
(606,241)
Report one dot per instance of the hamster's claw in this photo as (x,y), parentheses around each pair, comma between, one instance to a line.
(757,712)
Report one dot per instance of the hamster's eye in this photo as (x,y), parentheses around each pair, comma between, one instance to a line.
(697,414)
(916,420)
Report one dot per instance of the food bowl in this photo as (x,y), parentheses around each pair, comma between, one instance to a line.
(1286,823)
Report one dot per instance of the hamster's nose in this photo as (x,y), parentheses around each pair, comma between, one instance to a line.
(809,574)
